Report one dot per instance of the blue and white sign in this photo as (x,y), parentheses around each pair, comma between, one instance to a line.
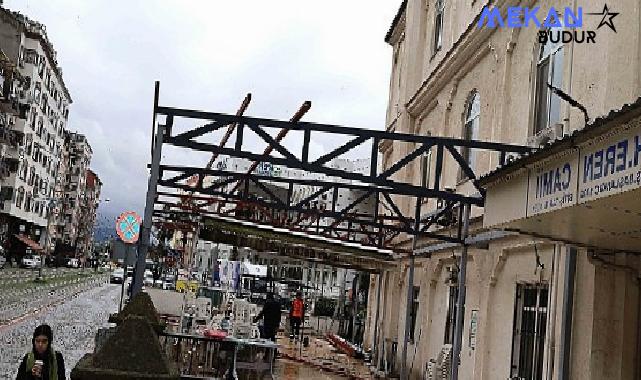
(553,185)
(611,165)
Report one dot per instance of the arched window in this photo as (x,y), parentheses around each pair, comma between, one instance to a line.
(471,123)
(439,10)
(549,70)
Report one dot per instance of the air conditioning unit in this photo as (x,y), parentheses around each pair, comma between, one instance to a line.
(510,157)
(546,135)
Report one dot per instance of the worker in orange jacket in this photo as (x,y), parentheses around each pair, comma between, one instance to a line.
(296,315)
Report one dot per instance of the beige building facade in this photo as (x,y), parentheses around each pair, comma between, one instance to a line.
(553,273)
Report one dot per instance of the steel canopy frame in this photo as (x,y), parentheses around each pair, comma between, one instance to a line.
(381,186)
(290,216)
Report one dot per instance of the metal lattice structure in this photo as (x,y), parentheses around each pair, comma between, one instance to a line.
(380,186)
(177,193)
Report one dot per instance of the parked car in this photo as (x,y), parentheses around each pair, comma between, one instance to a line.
(72,263)
(148,280)
(169,282)
(117,276)
(3,261)
(31,261)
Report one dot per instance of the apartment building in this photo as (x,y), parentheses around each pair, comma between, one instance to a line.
(32,162)
(75,194)
(88,209)
(553,278)
(321,279)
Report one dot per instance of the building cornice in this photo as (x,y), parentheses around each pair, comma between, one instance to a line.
(466,52)
(398,24)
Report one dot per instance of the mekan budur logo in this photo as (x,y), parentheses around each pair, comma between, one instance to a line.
(559,26)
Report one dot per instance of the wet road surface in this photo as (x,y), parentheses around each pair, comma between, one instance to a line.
(74,325)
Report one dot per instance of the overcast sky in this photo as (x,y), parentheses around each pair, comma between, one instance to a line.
(208,55)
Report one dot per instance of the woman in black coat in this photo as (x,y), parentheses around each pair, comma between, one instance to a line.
(42,362)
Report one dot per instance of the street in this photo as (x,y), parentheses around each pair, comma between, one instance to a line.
(77,312)
(74,321)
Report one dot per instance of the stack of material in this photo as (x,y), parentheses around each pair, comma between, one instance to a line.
(323,356)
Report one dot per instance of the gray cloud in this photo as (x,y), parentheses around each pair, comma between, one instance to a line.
(208,55)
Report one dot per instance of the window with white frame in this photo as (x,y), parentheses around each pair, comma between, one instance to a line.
(528,335)
(439,11)
(549,70)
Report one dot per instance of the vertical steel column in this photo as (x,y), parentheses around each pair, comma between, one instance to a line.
(410,289)
(460,302)
(357,278)
(378,306)
(566,317)
(321,296)
(151,196)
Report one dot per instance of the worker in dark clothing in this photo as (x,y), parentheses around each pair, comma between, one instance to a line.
(271,318)
(42,362)
(296,315)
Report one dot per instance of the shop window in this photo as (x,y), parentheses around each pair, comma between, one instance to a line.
(439,11)
(549,69)
(528,336)
(450,318)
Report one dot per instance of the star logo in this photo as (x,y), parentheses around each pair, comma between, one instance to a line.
(607,18)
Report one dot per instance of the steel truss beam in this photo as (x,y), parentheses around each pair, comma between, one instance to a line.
(268,199)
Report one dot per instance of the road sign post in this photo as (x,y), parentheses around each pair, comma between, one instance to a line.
(128,229)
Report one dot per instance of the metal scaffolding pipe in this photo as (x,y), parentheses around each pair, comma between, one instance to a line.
(281,135)
(230,128)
